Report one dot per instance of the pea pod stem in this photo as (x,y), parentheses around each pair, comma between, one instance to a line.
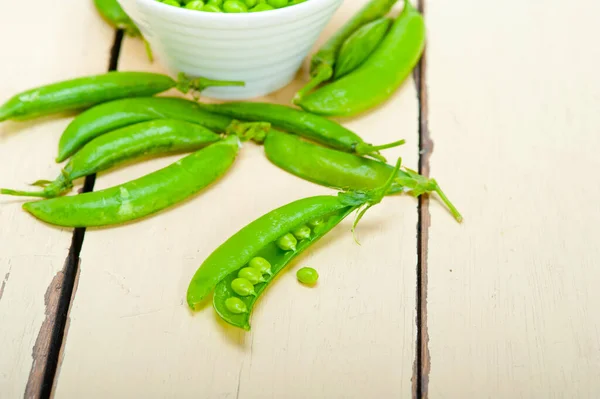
(186,84)
(149,53)
(373,151)
(322,73)
(448,203)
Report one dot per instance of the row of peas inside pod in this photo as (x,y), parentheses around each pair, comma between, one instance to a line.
(231,6)
(259,269)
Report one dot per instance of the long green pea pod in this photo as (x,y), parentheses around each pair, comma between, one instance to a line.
(305,124)
(123,145)
(379,76)
(326,166)
(323,61)
(141,197)
(343,171)
(359,46)
(84,92)
(117,114)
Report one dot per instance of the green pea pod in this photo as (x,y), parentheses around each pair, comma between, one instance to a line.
(260,239)
(313,127)
(141,197)
(279,260)
(359,46)
(126,144)
(87,91)
(117,114)
(343,171)
(379,76)
(113,13)
(323,61)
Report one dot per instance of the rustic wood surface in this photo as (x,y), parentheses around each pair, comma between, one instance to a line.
(38,47)
(513,113)
(504,113)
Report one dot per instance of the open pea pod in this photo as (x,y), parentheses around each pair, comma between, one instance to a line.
(277,237)
(279,259)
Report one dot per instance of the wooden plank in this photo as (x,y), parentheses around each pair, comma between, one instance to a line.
(37,48)
(513,293)
(352,336)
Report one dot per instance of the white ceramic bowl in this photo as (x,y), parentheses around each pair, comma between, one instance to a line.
(263,49)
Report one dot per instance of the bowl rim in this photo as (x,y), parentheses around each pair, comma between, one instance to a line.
(299,10)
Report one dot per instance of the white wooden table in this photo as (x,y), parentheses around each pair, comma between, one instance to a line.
(504,112)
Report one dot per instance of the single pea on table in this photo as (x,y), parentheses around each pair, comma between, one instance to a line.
(231,6)
(307,275)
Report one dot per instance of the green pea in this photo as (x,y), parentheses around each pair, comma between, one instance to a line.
(234,6)
(307,275)
(261,7)
(301,233)
(294,2)
(261,264)
(287,242)
(218,3)
(195,5)
(251,274)
(277,3)
(242,287)
(315,223)
(211,8)
(236,305)
(250,3)
(173,3)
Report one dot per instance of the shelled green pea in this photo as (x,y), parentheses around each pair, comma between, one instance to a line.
(242,287)
(307,275)
(236,305)
(195,5)
(251,274)
(287,243)
(301,233)
(260,264)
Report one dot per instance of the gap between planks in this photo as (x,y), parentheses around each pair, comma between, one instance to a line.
(47,351)
(422,361)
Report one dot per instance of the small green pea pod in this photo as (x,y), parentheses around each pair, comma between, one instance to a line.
(117,114)
(323,61)
(126,144)
(84,92)
(114,14)
(141,197)
(259,238)
(359,46)
(379,76)
(313,127)
(343,171)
